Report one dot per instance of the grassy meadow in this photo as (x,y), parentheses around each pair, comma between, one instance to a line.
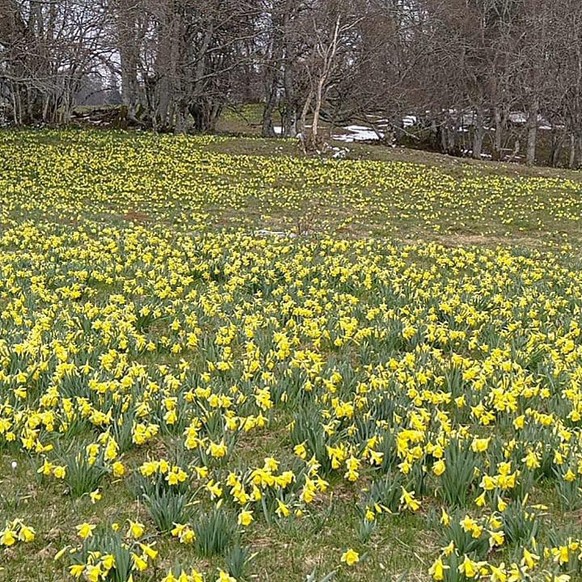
(222,360)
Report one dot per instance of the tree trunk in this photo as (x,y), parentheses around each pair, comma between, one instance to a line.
(305,111)
(532,132)
(129,59)
(451,131)
(557,143)
(268,129)
(314,133)
(478,133)
(442,137)
(273,74)
(498,141)
(289,106)
(579,151)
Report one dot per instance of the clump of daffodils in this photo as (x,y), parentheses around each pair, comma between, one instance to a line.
(109,553)
(16,531)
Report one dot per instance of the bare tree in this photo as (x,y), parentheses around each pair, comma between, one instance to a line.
(475,76)
(48,49)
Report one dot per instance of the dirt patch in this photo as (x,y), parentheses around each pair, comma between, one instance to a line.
(136,216)
(460,240)
(478,240)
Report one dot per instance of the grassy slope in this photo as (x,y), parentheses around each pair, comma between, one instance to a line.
(189,185)
(265,184)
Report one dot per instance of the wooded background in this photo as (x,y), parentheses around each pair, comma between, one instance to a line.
(452,66)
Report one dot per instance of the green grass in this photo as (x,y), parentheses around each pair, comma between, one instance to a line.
(95,226)
(196,183)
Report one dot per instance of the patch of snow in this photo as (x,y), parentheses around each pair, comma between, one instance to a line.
(409,120)
(518,117)
(483,155)
(357,133)
(521,118)
(279,130)
(357,128)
